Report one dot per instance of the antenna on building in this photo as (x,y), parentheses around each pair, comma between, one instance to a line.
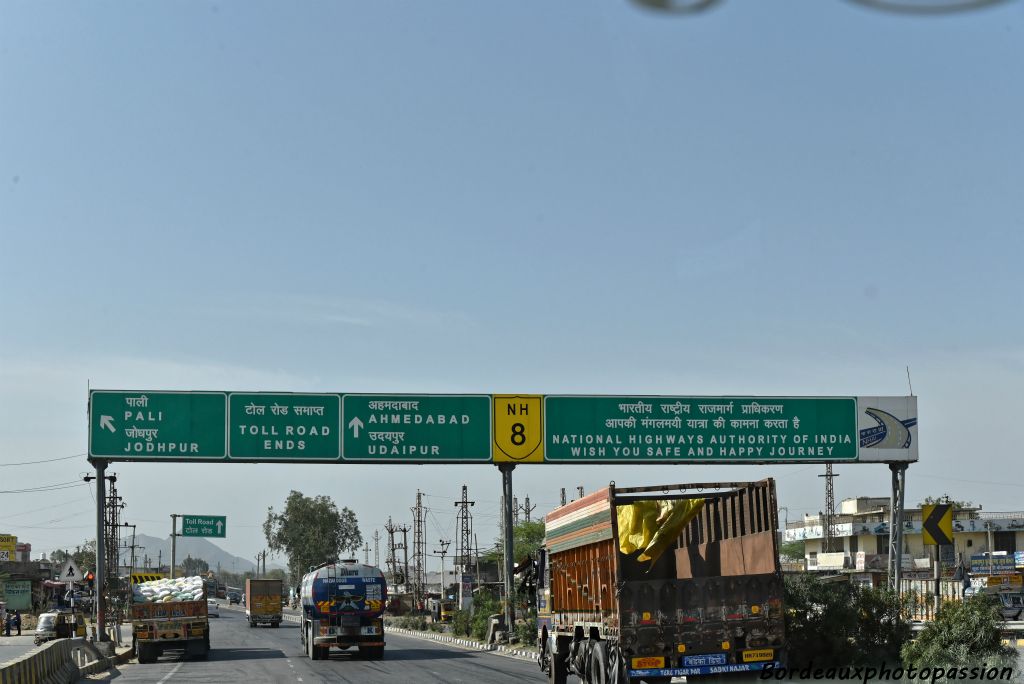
(911,386)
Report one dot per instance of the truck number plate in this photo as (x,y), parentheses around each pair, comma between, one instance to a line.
(649,662)
(706,659)
(759,654)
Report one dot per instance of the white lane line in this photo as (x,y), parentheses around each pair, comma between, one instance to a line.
(171,673)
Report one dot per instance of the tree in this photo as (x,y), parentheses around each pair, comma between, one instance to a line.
(84,555)
(793,550)
(194,566)
(527,537)
(964,633)
(945,499)
(311,531)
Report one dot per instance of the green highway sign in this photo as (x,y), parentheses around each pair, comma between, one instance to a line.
(416,428)
(155,426)
(643,429)
(284,427)
(204,525)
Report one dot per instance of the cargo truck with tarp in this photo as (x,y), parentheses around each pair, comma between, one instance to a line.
(263,601)
(170,614)
(649,583)
(343,607)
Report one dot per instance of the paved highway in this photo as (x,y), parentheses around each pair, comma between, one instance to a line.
(241,654)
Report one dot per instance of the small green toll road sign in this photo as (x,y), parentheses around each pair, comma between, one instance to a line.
(582,429)
(284,427)
(204,525)
(155,426)
(416,428)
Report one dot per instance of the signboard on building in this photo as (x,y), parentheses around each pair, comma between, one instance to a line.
(995,564)
(16,594)
(8,546)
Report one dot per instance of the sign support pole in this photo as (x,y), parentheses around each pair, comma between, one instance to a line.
(896,504)
(506,488)
(174,541)
(101,572)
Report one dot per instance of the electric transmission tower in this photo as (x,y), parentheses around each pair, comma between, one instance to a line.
(419,548)
(464,552)
(828,525)
(376,548)
(527,509)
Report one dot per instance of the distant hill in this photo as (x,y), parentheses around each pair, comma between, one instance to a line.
(197,547)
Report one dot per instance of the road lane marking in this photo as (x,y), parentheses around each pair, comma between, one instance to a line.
(171,673)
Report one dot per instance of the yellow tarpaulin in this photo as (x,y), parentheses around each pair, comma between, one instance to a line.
(652,526)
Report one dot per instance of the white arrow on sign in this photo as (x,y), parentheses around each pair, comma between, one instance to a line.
(107,422)
(356,426)
(220,526)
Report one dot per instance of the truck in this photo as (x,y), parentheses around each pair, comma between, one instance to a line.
(160,623)
(650,583)
(343,607)
(263,601)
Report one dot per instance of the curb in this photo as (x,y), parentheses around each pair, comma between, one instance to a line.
(507,651)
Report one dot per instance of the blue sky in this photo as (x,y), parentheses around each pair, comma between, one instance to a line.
(770,198)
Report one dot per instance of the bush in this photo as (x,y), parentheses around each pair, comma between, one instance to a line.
(526,631)
(462,623)
(963,634)
(837,624)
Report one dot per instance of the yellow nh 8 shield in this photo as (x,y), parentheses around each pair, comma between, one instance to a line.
(518,428)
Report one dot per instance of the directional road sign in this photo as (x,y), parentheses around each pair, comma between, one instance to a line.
(154,426)
(419,428)
(699,429)
(204,526)
(937,527)
(284,427)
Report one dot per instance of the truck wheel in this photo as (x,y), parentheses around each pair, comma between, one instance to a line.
(325,652)
(599,663)
(558,670)
(145,653)
(371,652)
(618,673)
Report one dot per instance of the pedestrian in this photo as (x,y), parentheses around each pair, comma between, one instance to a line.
(7,624)
(3,618)
(17,621)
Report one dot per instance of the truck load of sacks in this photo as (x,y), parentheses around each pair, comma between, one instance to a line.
(167,590)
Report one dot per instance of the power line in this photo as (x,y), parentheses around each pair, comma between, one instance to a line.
(45,488)
(48,460)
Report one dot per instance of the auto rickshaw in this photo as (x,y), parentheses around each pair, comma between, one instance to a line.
(59,625)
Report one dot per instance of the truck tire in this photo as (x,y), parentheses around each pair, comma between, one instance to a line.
(145,653)
(325,652)
(371,652)
(618,673)
(558,671)
(598,669)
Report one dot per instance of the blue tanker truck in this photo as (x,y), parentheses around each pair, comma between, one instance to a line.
(342,607)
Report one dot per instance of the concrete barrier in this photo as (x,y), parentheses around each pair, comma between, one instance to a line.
(50,663)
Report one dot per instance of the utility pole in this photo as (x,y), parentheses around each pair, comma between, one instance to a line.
(419,543)
(404,529)
(579,491)
(562,498)
(366,553)
(174,541)
(392,562)
(376,548)
(463,554)
(515,511)
(444,552)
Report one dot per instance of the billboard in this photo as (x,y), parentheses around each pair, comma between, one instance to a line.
(8,546)
(16,594)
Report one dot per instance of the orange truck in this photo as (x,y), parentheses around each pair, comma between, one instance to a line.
(263,601)
(650,583)
(170,624)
